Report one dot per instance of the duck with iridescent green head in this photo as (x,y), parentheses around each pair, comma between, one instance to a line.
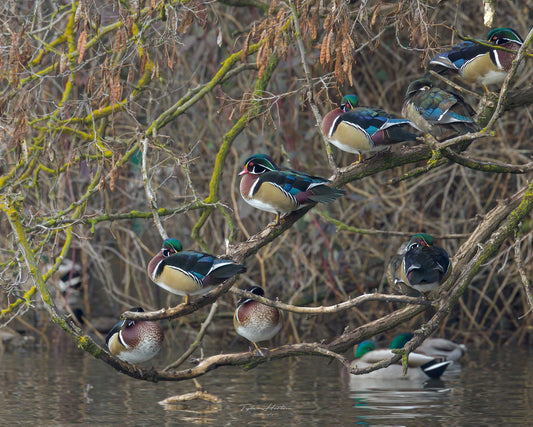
(420,266)
(360,129)
(189,272)
(475,63)
(269,188)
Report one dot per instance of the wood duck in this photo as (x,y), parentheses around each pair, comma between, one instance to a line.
(188,272)
(475,63)
(439,112)
(420,367)
(280,190)
(361,129)
(436,347)
(420,266)
(255,321)
(135,341)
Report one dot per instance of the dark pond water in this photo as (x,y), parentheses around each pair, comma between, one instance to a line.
(66,387)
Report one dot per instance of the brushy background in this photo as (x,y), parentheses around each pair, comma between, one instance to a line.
(133,61)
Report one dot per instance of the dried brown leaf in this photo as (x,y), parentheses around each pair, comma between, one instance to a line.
(328,52)
(375,15)
(313,27)
(272,7)
(115,90)
(112,178)
(339,75)
(143,64)
(323,48)
(131,75)
(82,44)
(245,47)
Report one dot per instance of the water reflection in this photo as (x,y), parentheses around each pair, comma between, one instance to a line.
(66,386)
(400,399)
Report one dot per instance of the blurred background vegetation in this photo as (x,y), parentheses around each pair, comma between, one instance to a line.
(203,85)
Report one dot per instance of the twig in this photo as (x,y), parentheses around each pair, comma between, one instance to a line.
(152,202)
(309,91)
(526,285)
(197,340)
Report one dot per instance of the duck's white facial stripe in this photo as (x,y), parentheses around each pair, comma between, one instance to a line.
(252,189)
(497,60)
(121,340)
(155,270)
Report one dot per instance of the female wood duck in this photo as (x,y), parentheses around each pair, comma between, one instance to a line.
(421,266)
(135,341)
(255,321)
(475,63)
(420,367)
(188,272)
(280,190)
(435,347)
(439,112)
(361,129)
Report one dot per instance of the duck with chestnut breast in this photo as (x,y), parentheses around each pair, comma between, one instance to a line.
(256,321)
(475,63)
(360,129)
(267,187)
(135,341)
(189,272)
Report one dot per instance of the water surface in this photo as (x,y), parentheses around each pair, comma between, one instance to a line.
(66,386)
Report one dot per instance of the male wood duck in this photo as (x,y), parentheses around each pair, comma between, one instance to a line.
(475,63)
(188,272)
(135,341)
(435,347)
(281,190)
(420,266)
(361,129)
(439,112)
(255,321)
(420,367)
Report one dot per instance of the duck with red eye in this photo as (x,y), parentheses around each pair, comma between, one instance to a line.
(360,129)
(422,268)
(267,187)
(189,272)
(480,64)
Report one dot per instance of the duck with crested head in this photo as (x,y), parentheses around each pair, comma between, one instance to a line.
(135,341)
(441,113)
(189,272)
(476,63)
(420,266)
(360,129)
(256,321)
(267,187)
